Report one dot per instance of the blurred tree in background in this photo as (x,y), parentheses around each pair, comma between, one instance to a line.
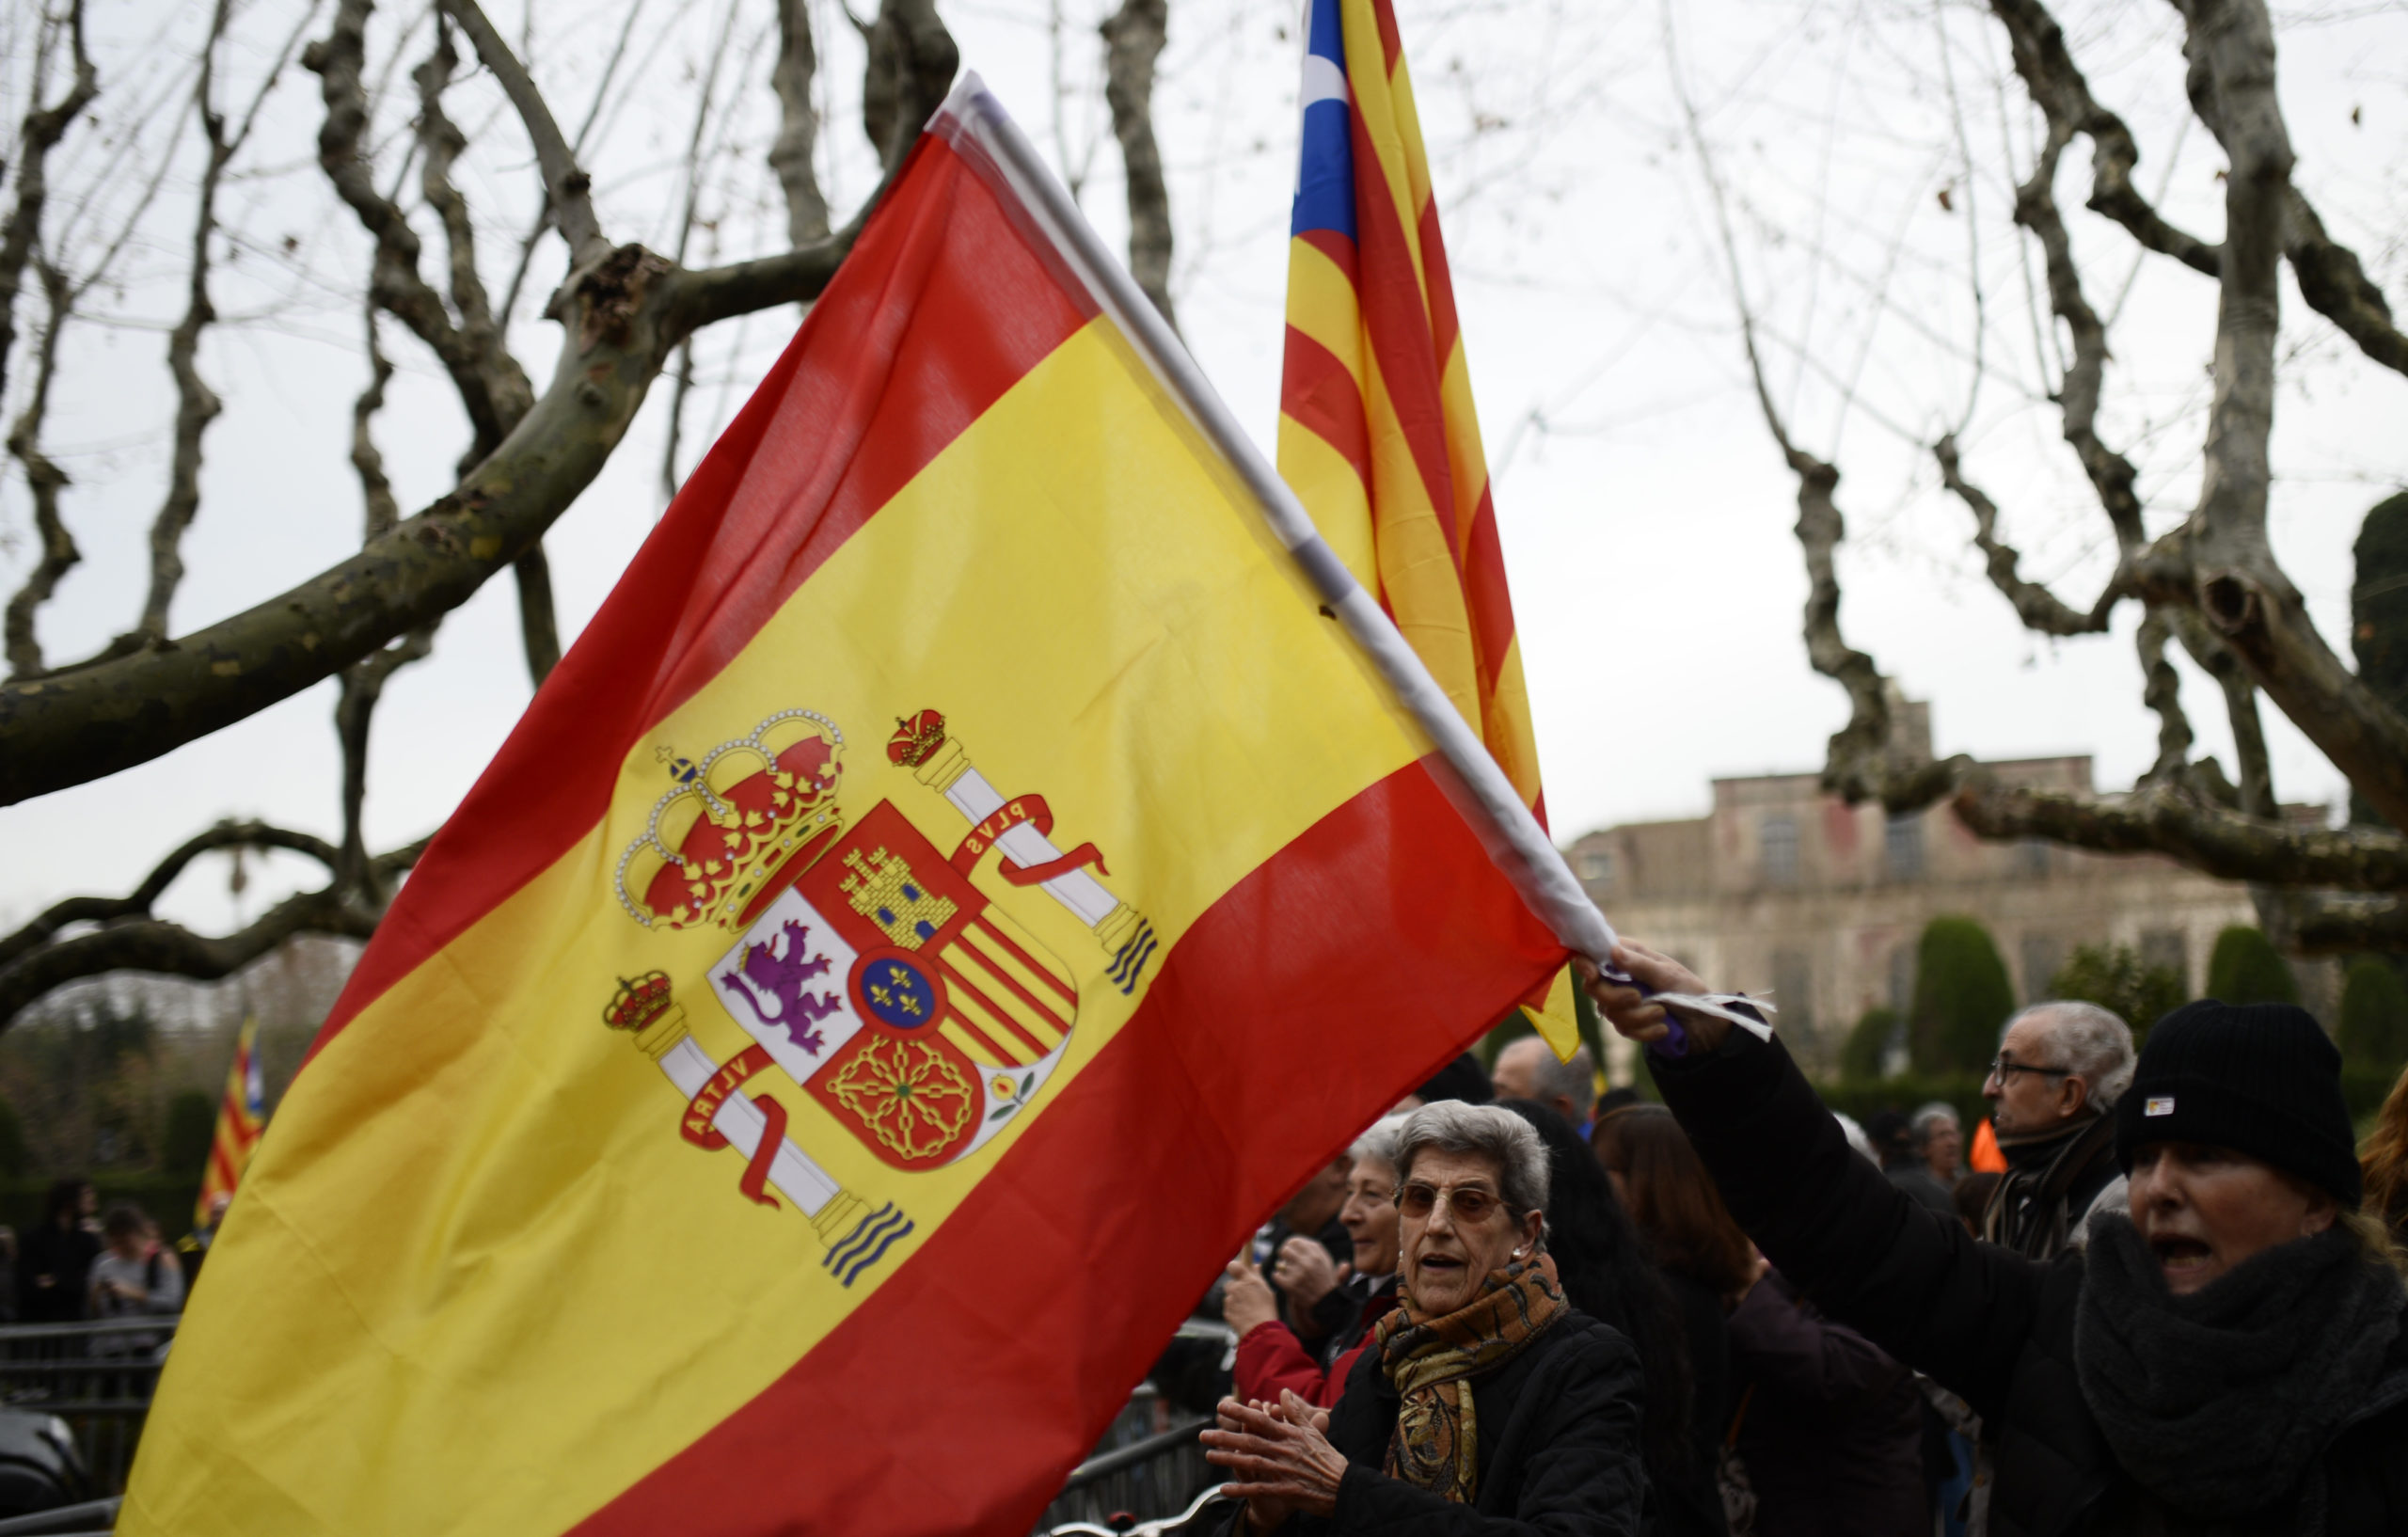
(2373,1031)
(1865,1057)
(2114,977)
(2246,968)
(1962,997)
(192,1123)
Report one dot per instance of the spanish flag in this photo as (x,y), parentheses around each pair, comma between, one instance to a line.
(241,1116)
(1377,432)
(968,871)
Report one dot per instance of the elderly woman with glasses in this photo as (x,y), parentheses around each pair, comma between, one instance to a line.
(1484,1403)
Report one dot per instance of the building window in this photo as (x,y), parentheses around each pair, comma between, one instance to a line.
(1902,978)
(1902,848)
(2044,956)
(2163,949)
(1777,846)
(1594,866)
(2032,857)
(1793,993)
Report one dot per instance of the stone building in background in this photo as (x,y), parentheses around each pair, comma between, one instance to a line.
(1784,889)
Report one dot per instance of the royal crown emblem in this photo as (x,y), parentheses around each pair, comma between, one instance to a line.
(873,973)
(737,827)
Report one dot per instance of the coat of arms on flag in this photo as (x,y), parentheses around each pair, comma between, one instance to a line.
(872,971)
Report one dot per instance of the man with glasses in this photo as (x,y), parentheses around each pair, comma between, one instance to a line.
(2061,1067)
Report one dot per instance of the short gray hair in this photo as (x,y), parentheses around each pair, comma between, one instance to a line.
(1931,1114)
(1379,1143)
(1575,1080)
(1480,1130)
(2097,1043)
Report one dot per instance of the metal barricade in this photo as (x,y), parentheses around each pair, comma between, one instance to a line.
(1148,1466)
(97,1377)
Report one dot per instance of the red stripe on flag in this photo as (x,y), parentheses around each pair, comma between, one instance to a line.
(1391,42)
(1335,246)
(1066,994)
(955,980)
(1490,601)
(1316,389)
(221,1166)
(1389,292)
(1438,283)
(1012,1335)
(943,306)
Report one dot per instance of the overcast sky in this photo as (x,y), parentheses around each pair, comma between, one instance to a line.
(1870,150)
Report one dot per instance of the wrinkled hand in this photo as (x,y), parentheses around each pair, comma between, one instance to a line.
(1635,1014)
(1305,1272)
(1247,1300)
(1279,1459)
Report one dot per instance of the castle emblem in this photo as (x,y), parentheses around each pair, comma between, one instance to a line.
(871,970)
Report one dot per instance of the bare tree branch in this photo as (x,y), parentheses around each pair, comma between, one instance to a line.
(683,383)
(363,682)
(790,152)
(139,902)
(2330,276)
(2335,286)
(911,64)
(1133,37)
(2058,88)
(139,943)
(394,282)
(196,405)
(2172,819)
(44,126)
(481,335)
(46,481)
(2039,608)
(623,317)
(2161,692)
(568,187)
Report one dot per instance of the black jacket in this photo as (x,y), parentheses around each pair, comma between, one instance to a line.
(1988,1325)
(1559,1448)
(52,1273)
(1833,1438)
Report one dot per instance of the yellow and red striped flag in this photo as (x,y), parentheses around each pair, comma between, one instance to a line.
(1377,433)
(241,1116)
(855,1014)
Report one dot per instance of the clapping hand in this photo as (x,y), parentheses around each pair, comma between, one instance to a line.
(1278,1457)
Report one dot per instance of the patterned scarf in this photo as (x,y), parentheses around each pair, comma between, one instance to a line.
(1431,1360)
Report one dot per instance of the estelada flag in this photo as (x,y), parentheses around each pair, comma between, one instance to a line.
(957,884)
(1377,433)
(242,1112)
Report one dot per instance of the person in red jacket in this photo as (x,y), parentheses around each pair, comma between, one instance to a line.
(1271,1358)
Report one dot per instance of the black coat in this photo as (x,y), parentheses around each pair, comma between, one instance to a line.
(1833,1438)
(1988,1325)
(52,1271)
(1559,1447)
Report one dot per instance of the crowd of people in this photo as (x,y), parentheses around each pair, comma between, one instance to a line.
(80,1265)
(2173,1304)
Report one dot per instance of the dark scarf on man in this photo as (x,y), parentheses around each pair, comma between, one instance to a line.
(2027,1212)
(1432,1360)
(2217,1401)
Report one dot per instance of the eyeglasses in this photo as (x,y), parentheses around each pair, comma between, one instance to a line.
(2002,1070)
(1470,1203)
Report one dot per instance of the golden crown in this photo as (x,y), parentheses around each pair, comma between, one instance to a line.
(639,1001)
(737,827)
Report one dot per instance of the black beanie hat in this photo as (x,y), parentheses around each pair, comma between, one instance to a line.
(2261,1079)
(1462,1079)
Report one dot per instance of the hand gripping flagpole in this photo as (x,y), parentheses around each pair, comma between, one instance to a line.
(1494,809)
